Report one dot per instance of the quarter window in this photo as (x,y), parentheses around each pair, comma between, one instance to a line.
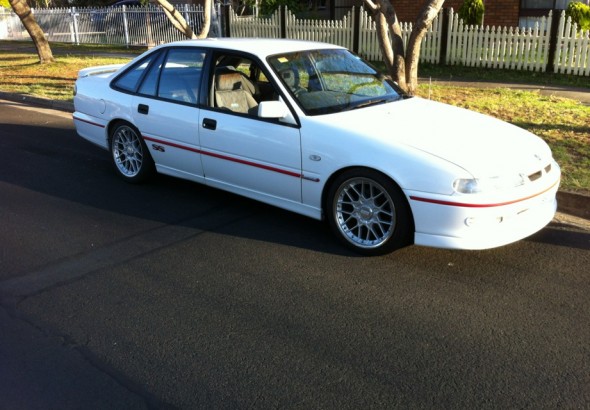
(131,78)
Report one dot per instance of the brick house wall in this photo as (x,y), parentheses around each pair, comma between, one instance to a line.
(497,12)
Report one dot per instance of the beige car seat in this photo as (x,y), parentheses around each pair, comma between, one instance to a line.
(230,93)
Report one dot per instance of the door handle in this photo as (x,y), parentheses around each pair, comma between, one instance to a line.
(143,109)
(209,124)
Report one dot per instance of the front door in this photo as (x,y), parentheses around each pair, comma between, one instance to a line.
(259,158)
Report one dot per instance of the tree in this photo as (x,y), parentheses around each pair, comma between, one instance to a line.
(180,23)
(402,62)
(24,13)
(471,12)
(580,14)
(268,7)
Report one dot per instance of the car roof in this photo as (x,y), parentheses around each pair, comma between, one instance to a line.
(260,47)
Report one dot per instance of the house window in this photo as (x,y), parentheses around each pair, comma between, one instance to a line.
(531,11)
(526,5)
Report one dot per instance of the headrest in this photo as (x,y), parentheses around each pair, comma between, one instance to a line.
(289,77)
(228,81)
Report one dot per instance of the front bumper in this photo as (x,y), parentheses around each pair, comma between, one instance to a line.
(458,225)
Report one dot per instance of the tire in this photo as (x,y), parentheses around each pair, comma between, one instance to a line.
(368,212)
(130,155)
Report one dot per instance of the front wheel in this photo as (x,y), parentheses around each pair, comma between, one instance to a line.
(368,212)
(130,155)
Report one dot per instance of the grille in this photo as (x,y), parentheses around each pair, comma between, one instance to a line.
(536,175)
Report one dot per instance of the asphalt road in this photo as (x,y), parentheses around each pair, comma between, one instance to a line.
(174,295)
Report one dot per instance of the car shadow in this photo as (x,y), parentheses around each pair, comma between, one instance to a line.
(562,235)
(63,165)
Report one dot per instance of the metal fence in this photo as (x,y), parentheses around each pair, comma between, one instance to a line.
(123,25)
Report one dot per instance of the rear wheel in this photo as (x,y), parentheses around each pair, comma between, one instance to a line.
(368,212)
(130,155)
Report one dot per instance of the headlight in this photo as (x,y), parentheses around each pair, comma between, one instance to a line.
(498,183)
(467,186)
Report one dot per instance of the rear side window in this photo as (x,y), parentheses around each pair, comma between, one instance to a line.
(180,76)
(149,85)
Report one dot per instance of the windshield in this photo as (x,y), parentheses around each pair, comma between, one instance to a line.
(329,81)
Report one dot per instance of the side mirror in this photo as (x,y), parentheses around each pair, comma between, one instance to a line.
(272,109)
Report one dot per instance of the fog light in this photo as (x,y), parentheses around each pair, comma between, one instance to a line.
(472,221)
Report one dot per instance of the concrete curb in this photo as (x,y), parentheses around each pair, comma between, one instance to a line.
(573,208)
(41,102)
(574,204)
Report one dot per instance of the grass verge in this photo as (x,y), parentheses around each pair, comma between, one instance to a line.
(563,123)
(20,72)
(451,73)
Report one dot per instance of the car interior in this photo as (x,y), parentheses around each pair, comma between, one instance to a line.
(239,85)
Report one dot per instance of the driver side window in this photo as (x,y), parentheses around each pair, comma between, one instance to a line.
(239,85)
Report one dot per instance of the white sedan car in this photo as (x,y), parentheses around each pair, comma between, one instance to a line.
(312,128)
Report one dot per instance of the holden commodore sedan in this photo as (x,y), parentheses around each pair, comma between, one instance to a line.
(312,128)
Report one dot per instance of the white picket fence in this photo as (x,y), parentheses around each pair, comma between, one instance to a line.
(475,46)
(499,47)
(251,26)
(519,48)
(572,55)
(339,32)
(369,44)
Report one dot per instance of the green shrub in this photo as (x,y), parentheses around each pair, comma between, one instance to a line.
(471,12)
(268,7)
(580,14)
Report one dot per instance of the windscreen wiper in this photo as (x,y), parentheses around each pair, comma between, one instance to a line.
(372,102)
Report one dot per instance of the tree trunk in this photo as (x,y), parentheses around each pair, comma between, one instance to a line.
(392,51)
(423,23)
(401,63)
(180,23)
(206,20)
(24,13)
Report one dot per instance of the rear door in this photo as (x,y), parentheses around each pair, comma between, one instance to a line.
(165,110)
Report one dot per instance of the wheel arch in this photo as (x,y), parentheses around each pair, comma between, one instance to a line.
(113,123)
(360,169)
